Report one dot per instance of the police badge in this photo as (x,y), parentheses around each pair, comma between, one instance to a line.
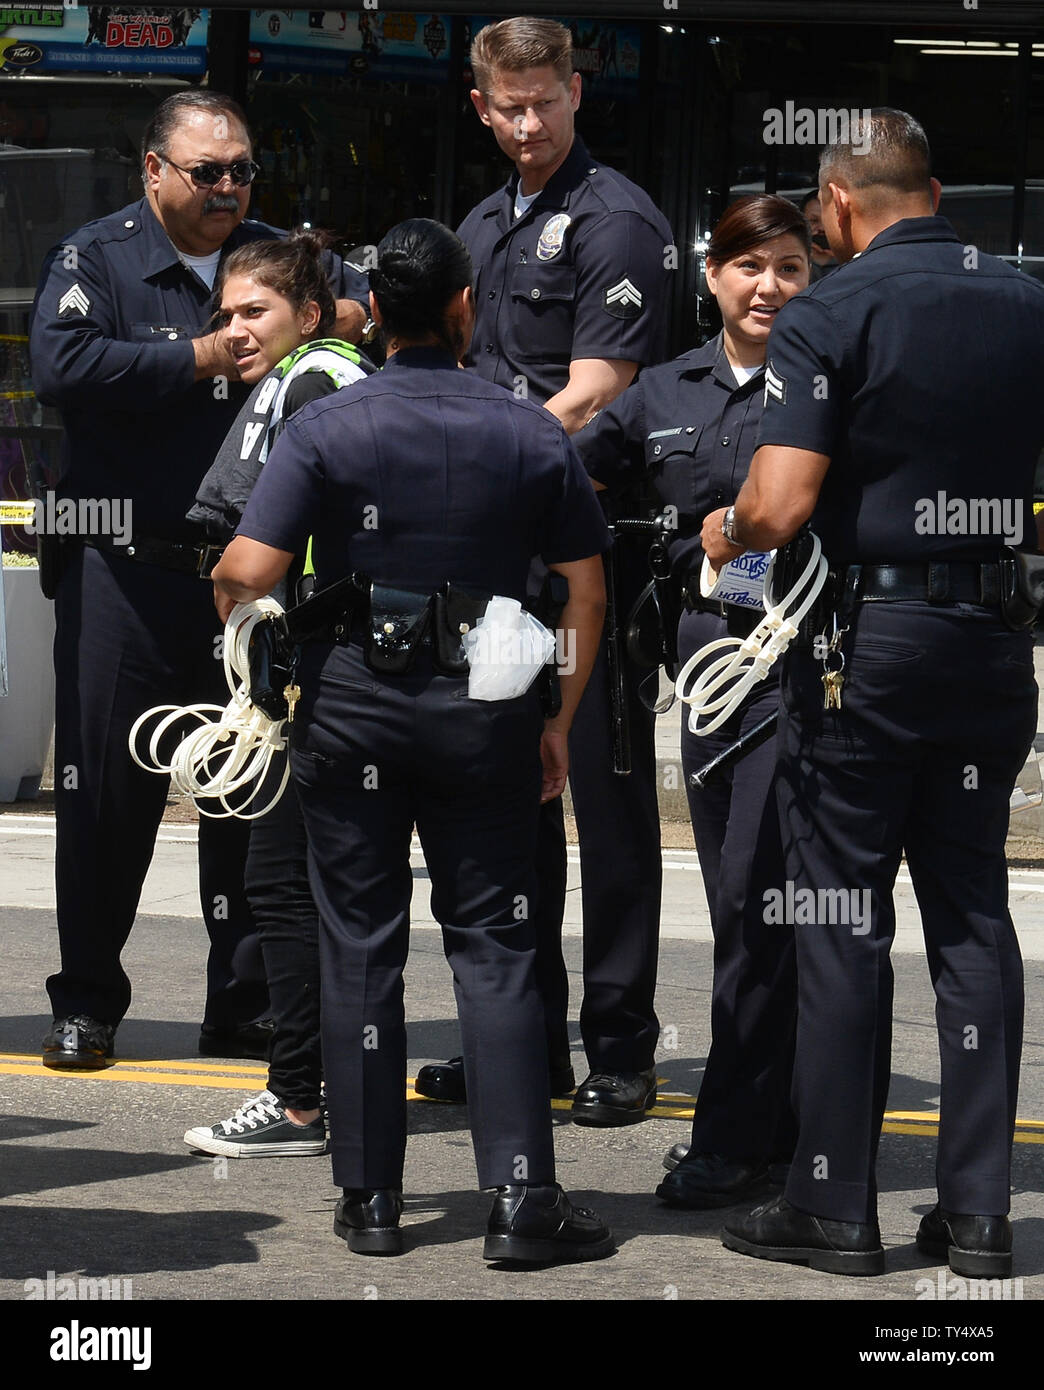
(552,236)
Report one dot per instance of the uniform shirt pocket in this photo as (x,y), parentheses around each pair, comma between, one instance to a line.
(542,300)
(673,470)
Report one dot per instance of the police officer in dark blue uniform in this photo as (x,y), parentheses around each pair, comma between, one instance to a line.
(146,398)
(903,416)
(571,280)
(433,489)
(689,427)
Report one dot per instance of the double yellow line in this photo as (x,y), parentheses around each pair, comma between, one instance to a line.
(233,1076)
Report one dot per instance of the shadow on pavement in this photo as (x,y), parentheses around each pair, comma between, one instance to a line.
(113,1241)
(29,1168)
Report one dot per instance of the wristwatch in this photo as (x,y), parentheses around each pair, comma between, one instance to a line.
(728,521)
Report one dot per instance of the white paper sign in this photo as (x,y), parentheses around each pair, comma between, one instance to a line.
(741,581)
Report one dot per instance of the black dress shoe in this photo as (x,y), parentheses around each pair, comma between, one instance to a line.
(539,1225)
(778,1231)
(251,1040)
(674,1156)
(445,1081)
(615,1098)
(369,1221)
(979,1246)
(78,1043)
(701,1182)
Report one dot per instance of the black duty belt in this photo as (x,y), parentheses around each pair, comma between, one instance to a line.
(180,556)
(960,581)
(390,622)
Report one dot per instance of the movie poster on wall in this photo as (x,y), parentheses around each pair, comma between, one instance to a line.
(103,38)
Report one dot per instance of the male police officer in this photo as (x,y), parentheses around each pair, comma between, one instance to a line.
(570,300)
(146,401)
(898,391)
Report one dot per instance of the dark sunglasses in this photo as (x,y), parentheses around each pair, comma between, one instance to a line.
(242,172)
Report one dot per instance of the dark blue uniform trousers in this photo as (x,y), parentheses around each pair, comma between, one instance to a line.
(938,714)
(618,828)
(743,1109)
(131,636)
(374,755)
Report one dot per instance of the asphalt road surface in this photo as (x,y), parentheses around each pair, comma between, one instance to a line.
(98,1185)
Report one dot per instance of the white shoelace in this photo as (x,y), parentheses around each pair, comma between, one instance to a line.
(260,1110)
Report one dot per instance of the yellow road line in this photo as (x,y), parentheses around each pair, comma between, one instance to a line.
(232,1077)
(237,1068)
(159,1078)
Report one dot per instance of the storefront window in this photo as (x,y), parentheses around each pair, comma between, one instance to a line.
(363,118)
(350,155)
(68,154)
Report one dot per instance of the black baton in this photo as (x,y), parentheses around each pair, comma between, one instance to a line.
(752,739)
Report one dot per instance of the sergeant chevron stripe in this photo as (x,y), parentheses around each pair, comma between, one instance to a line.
(73,301)
(624,293)
(775,385)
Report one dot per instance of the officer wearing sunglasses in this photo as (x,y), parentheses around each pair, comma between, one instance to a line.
(120,345)
(240,171)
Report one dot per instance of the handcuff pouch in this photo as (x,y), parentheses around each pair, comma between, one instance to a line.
(398,621)
(455,611)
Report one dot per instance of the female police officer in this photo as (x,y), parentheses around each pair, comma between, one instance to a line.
(423,477)
(690,426)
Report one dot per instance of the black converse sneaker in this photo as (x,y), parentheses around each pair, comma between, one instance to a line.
(260,1128)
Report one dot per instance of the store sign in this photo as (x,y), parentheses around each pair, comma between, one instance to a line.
(108,38)
(367,42)
(605,54)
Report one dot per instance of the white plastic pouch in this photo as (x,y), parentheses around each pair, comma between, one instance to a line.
(506,650)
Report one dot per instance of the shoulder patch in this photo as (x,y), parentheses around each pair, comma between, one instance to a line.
(623,300)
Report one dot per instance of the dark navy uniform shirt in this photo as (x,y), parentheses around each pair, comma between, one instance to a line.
(581,274)
(687,427)
(113,320)
(424,473)
(918,368)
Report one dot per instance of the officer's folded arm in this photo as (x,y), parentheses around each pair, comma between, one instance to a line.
(248,570)
(773,504)
(593,383)
(583,616)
